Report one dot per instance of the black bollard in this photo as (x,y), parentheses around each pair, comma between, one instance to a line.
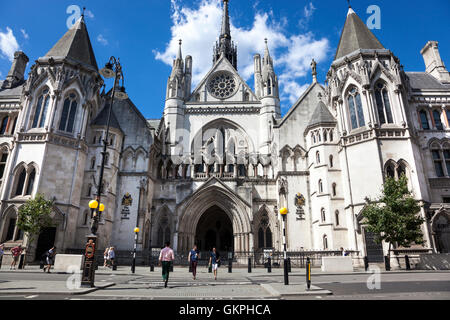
(230,266)
(308,274)
(366,263)
(286,273)
(289,264)
(269,265)
(249,265)
(387,263)
(408,267)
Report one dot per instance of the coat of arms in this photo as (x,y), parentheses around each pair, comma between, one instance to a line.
(127,200)
(299,203)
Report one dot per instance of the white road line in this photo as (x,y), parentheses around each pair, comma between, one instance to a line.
(31,297)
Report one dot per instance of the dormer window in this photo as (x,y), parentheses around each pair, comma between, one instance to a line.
(41,109)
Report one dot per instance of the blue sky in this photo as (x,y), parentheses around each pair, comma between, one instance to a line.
(144,34)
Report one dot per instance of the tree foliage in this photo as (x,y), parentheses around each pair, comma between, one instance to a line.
(34,216)
(394,217)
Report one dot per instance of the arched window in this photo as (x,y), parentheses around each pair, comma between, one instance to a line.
(246,96)
(355,108)
(390,171)
(320,186)
(317,157)
(242,170)
(325,136)
(68,113)
(424,120)
(31,179)
(3,160)
(322,215)
(437,119)
(86,216)
(383,103)
(163,231)
(325,242)
(331,135)
(437,160)
(107,159)
(264,233)
(313,138)
(4,125)
(401,169)
(331,161)
(334,189)
(21,182)
(13,129)
(446,153)
(336,215)
(41,109)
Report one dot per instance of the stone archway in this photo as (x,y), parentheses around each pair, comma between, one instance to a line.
(214,230)
(441,231)
(231,209)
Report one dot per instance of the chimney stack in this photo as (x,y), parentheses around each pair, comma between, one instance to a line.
(433,62)
(16,73)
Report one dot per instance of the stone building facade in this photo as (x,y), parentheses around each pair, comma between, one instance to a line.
(216,168)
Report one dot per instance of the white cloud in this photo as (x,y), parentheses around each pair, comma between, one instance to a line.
(309,10)
(89,14)
(102,40)
(25,34)
(199,28)
(8,44)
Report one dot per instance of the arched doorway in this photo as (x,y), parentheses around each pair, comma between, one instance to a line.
(214,229)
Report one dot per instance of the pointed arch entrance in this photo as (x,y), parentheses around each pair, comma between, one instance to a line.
(213,214)
(214,230)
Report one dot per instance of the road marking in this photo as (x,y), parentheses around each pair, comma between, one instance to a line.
(31,297)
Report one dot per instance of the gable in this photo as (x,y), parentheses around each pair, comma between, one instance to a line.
(222,84)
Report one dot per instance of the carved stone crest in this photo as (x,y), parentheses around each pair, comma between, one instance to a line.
(300,203)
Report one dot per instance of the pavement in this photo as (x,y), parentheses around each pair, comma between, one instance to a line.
(121,284)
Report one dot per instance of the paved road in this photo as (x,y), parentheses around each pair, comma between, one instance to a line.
(241,285)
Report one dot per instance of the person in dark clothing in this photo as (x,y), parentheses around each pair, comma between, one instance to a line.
(214,261)
(193,260)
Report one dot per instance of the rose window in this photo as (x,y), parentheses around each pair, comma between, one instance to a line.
(222,85)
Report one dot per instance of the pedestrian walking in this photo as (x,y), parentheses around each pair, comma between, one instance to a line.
(214,261)
(106,257)
(193,260)
(49,259)
(166,257)
(111,256)
(16,252)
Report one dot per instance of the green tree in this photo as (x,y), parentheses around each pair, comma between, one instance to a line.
(34,216)
(394,217)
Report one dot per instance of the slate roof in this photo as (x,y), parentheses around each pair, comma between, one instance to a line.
(355,36)
(321,115)
(76,45)
(13,92)
(423,80)
(102,119)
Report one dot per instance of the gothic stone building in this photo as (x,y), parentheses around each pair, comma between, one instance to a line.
(216,168)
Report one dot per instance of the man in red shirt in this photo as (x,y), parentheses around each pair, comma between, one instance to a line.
(16,252)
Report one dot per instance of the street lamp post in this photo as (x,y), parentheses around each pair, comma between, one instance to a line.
(136,233)
(283,212)
(88,275)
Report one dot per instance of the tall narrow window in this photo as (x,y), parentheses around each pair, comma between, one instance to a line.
(3,125)
(437,159)
(334,190)
(383,104)
(320,186)
(355,109)
(447,160)
(3,160)
(390,171)
(424,120)
(30,185)
(325,242)
(93,163)
(21,182)
(41,109)
(331,162)
(331,135)
(322,215)
(336,215)
(317,157)
(68,113)
(447,112)
(437,120)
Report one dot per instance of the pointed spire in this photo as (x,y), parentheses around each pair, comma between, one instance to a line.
(226,33)
(180,55)
(267,60)
(75,45)
(355,36)
(225,46)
